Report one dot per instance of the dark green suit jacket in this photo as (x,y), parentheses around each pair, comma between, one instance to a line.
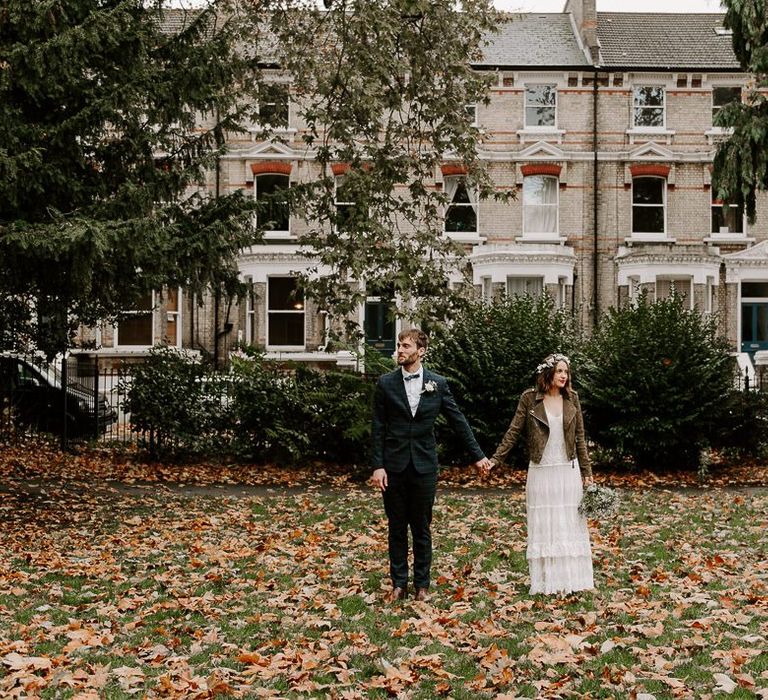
(399,437)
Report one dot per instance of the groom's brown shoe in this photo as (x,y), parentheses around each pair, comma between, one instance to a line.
(397,593)
(421,594)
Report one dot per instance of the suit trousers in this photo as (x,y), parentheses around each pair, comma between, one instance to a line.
(408,501)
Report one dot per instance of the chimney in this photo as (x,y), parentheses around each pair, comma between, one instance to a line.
(584,14)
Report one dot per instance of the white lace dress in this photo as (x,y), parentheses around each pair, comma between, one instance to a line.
(559,553)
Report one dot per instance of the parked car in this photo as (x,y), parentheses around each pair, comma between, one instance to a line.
(31,394)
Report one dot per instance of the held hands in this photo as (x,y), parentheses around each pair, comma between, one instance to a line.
(484,466)
(379,479)
(379,476)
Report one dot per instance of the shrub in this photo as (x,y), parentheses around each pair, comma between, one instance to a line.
(656,377)
(335,413)
(175,398)
(743,429)
(489,355)
(267,412)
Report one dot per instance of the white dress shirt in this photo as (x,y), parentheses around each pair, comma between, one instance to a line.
(413,388)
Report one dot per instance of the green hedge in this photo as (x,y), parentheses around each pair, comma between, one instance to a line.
(655,380)
(489,355)
(255,411)
(174,398)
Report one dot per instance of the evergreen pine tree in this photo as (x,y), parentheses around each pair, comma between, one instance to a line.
(741,162)
(111,112)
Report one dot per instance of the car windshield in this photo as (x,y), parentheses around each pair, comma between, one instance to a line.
(27,371)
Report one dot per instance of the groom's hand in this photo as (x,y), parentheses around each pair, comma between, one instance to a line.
(379,479)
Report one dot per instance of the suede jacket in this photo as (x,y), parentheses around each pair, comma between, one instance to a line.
(531,418)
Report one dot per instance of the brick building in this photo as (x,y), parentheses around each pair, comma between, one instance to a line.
(603,122)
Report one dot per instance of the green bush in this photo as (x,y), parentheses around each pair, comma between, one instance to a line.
(489,355)
(335,413)
(267,412)
(178,402)
(743,428)
(656,378)
(299,415)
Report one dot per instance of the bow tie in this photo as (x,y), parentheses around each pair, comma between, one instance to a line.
(408,377)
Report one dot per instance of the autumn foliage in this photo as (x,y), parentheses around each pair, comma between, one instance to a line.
(123,578)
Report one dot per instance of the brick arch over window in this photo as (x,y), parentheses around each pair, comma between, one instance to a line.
(648,170)
(541,169)
(272,167)
(340,169)
(453,169)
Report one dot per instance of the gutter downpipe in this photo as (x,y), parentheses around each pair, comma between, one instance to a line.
(217,291)
(595,285)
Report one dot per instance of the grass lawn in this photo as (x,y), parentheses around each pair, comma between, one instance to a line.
(112,595)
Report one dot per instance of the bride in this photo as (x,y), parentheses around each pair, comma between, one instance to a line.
(549,415)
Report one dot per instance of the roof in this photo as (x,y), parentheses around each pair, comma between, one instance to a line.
(670,40)
(534,40)
(175,20)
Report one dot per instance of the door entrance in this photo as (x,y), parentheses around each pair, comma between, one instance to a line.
(380,325)
(754,326)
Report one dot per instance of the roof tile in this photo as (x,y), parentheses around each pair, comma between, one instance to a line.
(666,40)
(534,40)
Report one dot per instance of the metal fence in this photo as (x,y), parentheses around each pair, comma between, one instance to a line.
(77,399)
(754,381)
(83,399)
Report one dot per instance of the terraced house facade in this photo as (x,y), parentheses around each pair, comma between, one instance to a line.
(602,122)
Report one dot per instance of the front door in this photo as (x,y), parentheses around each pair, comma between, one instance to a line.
(380,325)
(754,326)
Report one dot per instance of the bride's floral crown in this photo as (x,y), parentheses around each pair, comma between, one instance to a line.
(551,362)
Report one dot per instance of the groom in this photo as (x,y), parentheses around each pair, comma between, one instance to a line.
(406,403)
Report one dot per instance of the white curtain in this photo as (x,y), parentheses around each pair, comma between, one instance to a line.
(540,204)
(472,195)
(450,184)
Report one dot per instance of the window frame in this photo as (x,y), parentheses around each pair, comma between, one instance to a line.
(135,313)
(529,105)
(530,280)
(716,205)
(716,108)
(486,288)
(270,313)
(273,233)
(178,315)
(475,208)
(250,311)
(284,90)
(663,205)
(662,108)
(341,205)
(556,205)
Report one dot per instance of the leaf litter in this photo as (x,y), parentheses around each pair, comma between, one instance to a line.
(280,594)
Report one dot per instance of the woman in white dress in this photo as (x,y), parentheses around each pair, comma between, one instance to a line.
(549,415)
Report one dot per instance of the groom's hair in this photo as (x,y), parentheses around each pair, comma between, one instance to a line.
(417,335)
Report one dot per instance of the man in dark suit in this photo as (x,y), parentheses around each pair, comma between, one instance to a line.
(407,402)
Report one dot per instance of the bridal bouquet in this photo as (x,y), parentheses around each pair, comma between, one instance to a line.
(598,502)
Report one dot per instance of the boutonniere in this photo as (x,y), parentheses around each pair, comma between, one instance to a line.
(429,387)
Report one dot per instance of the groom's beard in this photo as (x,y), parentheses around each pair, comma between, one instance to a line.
(406,360)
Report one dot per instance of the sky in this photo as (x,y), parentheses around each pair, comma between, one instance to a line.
(614,5)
